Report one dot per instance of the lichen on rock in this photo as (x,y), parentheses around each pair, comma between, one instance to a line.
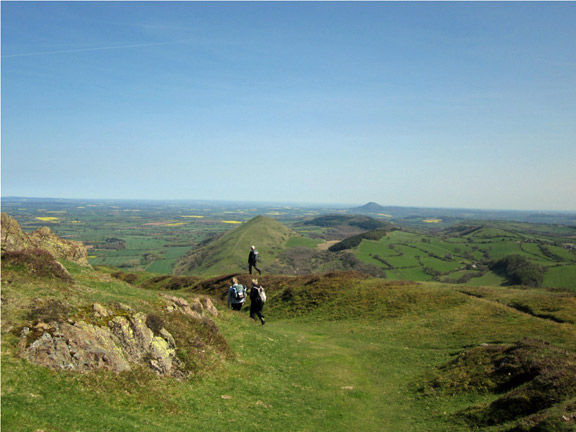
(117,343)
(199,308)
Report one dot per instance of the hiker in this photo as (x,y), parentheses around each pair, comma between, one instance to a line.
(236,295)
(257,299)
(253,258)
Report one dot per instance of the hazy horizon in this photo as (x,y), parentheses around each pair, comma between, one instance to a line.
(336,205)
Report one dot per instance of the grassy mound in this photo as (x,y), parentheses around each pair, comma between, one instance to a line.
(155,282)
(530,377)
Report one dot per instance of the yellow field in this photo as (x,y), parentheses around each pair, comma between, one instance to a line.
(48,218)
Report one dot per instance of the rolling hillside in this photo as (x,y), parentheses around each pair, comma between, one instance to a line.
(229,253)
(82,350)
(470,255)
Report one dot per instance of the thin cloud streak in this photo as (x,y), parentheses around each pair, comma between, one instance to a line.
(89,49)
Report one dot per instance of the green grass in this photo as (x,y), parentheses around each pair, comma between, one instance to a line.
(502,248)
(338,353)
(166,265)
(487,279)
(561,276)
(302,242)
(492,233)
(535,253)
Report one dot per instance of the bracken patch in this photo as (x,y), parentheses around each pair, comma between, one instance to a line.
(531,376)
(38,262)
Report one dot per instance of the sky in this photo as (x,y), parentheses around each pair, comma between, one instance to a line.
(427,104)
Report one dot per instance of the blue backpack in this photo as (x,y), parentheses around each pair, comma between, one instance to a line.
(239,292)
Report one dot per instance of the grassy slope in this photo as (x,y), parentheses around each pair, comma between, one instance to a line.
(337,353)
(229,253)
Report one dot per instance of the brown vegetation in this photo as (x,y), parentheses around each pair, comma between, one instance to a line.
(531,376)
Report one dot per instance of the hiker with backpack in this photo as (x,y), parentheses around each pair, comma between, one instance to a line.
(236,295)
(253,258)
(257,300)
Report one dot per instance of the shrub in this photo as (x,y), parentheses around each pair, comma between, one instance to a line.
(352,242)
(130,278)
(200,344)
(39,262)
(531,375)
(155,323)
(50,310)
(520,270)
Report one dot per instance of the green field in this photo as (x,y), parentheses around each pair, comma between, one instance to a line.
(157,236)
(303,242)
(423,257)
(166,265)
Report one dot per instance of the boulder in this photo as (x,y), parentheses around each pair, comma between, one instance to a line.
(14,239)
(81,347)
(198,309)
(117,345)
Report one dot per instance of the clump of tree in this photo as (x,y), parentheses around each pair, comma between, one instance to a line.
(111,243)
(363,222)
(352,242)
(549,254)
(520,270)
(303,261)
(350,262)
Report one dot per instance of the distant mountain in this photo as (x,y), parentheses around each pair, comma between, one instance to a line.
(229,253)
(370,207)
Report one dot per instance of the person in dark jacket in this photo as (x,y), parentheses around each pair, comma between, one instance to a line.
(253,258)
(256,303)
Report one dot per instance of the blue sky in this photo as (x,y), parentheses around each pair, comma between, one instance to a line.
(449,104)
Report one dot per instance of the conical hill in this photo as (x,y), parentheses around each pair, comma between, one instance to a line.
(229,253)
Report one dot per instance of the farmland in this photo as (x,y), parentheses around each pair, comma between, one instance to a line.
(464,258)
(140,235)
(154,236)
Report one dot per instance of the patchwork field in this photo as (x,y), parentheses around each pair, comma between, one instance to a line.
(465,259)
(156,236)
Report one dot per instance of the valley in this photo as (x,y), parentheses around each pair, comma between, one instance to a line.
(439,245)
(342,349)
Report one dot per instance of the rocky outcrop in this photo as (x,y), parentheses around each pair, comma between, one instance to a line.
(113,338)
(198,309)
(79,346)
(15,240)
